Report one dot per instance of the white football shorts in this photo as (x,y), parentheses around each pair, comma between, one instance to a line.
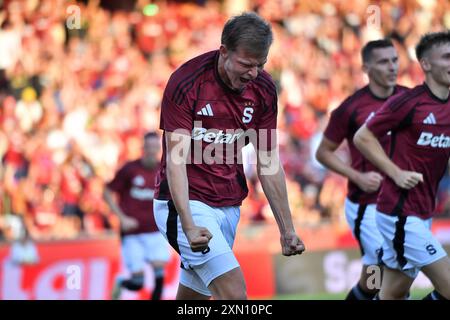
(200,268)
(408,243)
(361,219)
(138,249)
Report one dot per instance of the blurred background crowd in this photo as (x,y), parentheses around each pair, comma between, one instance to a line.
(76,96)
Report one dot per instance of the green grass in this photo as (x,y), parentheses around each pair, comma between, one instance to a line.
(416,294)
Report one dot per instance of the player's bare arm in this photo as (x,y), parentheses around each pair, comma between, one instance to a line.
(368,145)
(367,181)
(178,148)
(126,223)
(273,181)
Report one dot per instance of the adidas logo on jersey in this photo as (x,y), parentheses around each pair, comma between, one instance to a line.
(428,139)
(215,137)
(206,111)
(430,119)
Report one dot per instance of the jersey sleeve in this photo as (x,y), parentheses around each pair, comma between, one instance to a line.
(395,113)
(338,125)
(120,181)
(175,115)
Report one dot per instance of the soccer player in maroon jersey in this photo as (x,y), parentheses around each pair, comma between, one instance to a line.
(142,242)
(212,105)
(380,62)
(419,122)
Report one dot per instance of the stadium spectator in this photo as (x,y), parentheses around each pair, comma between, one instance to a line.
(23,251)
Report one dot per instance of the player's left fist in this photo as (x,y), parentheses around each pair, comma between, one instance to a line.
(291,244)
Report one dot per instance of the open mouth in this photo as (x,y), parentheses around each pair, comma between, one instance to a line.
(244,80)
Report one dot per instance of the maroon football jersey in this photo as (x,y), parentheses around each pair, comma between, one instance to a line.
(420,141)
(345,121)
(134,184)
(220,121)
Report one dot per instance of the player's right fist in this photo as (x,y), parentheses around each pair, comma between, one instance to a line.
(198,238)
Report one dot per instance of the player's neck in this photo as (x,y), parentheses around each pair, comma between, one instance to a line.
(439,90)
(150,164)
(379,91)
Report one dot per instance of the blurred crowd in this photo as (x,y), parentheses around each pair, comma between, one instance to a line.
(80,85)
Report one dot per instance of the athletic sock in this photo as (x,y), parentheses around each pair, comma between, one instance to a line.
(359,294)
(159,282)
(434,295)
(135,283)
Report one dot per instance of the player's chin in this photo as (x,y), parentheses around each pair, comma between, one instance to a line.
(390,82)
(447,80)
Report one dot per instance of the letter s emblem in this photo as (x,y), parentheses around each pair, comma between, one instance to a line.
(248,114)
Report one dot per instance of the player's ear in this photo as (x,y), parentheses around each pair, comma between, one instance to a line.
(365,67)
(425,64)
(223,51)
